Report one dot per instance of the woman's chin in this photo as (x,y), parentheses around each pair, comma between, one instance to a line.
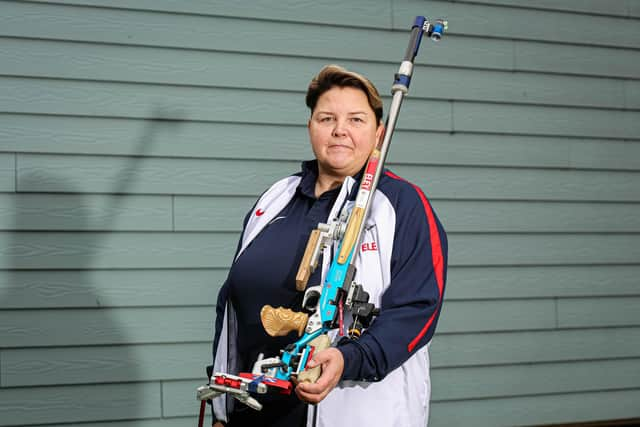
(338,167)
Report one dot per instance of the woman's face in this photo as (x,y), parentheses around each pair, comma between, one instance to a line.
(343,131)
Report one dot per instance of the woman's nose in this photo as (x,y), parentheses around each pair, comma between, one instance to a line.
(339,128)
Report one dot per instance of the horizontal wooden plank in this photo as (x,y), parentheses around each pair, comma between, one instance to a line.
(282,73)
(523,87)
(144,64)
(118,100)
(107,326)
(178,397)
(598,312)
(156,138)
(89,174)
(41,405)
(537,410)
(500,348)
(357,13)
(89,250)
(100,364)
(208,213)
(618,8)
(151,138)
(632,91)
(552,121)
(85,212)
(542,282)
(520,23)
(109,288)
(522,184)
(503,315)
(21,95)
(594,154)
(514,216)
(579,60)
(7,172)
(86,250)
(534,379)
(143,28)
(540,249)
(150,176)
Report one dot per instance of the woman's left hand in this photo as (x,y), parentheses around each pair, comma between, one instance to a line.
(332,364)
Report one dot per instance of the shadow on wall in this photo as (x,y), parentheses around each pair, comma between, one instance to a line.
(64,356)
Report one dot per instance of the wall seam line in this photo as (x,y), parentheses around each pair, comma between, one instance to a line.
(173,212)
(161,399)
(15,172)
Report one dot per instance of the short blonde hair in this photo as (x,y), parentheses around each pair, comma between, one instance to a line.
(331,76)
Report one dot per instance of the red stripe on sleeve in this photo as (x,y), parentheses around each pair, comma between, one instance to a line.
(436,257)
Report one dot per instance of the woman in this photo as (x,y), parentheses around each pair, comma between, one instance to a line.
(382,379)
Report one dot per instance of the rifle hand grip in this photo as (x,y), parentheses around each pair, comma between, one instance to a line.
(311,375)
(306,267)
(278,322)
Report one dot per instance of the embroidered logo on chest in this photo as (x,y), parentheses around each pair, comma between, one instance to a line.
(369,246)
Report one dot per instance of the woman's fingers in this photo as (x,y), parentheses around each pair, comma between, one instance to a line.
(332,364)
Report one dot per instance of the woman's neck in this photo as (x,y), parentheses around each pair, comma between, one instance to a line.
(327,182)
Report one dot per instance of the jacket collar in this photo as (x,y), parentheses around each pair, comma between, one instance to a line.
(309,176)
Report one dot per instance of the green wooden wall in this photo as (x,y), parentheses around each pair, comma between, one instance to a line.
(135,134)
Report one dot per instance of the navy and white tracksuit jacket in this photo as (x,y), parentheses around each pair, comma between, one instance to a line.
(402,264)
